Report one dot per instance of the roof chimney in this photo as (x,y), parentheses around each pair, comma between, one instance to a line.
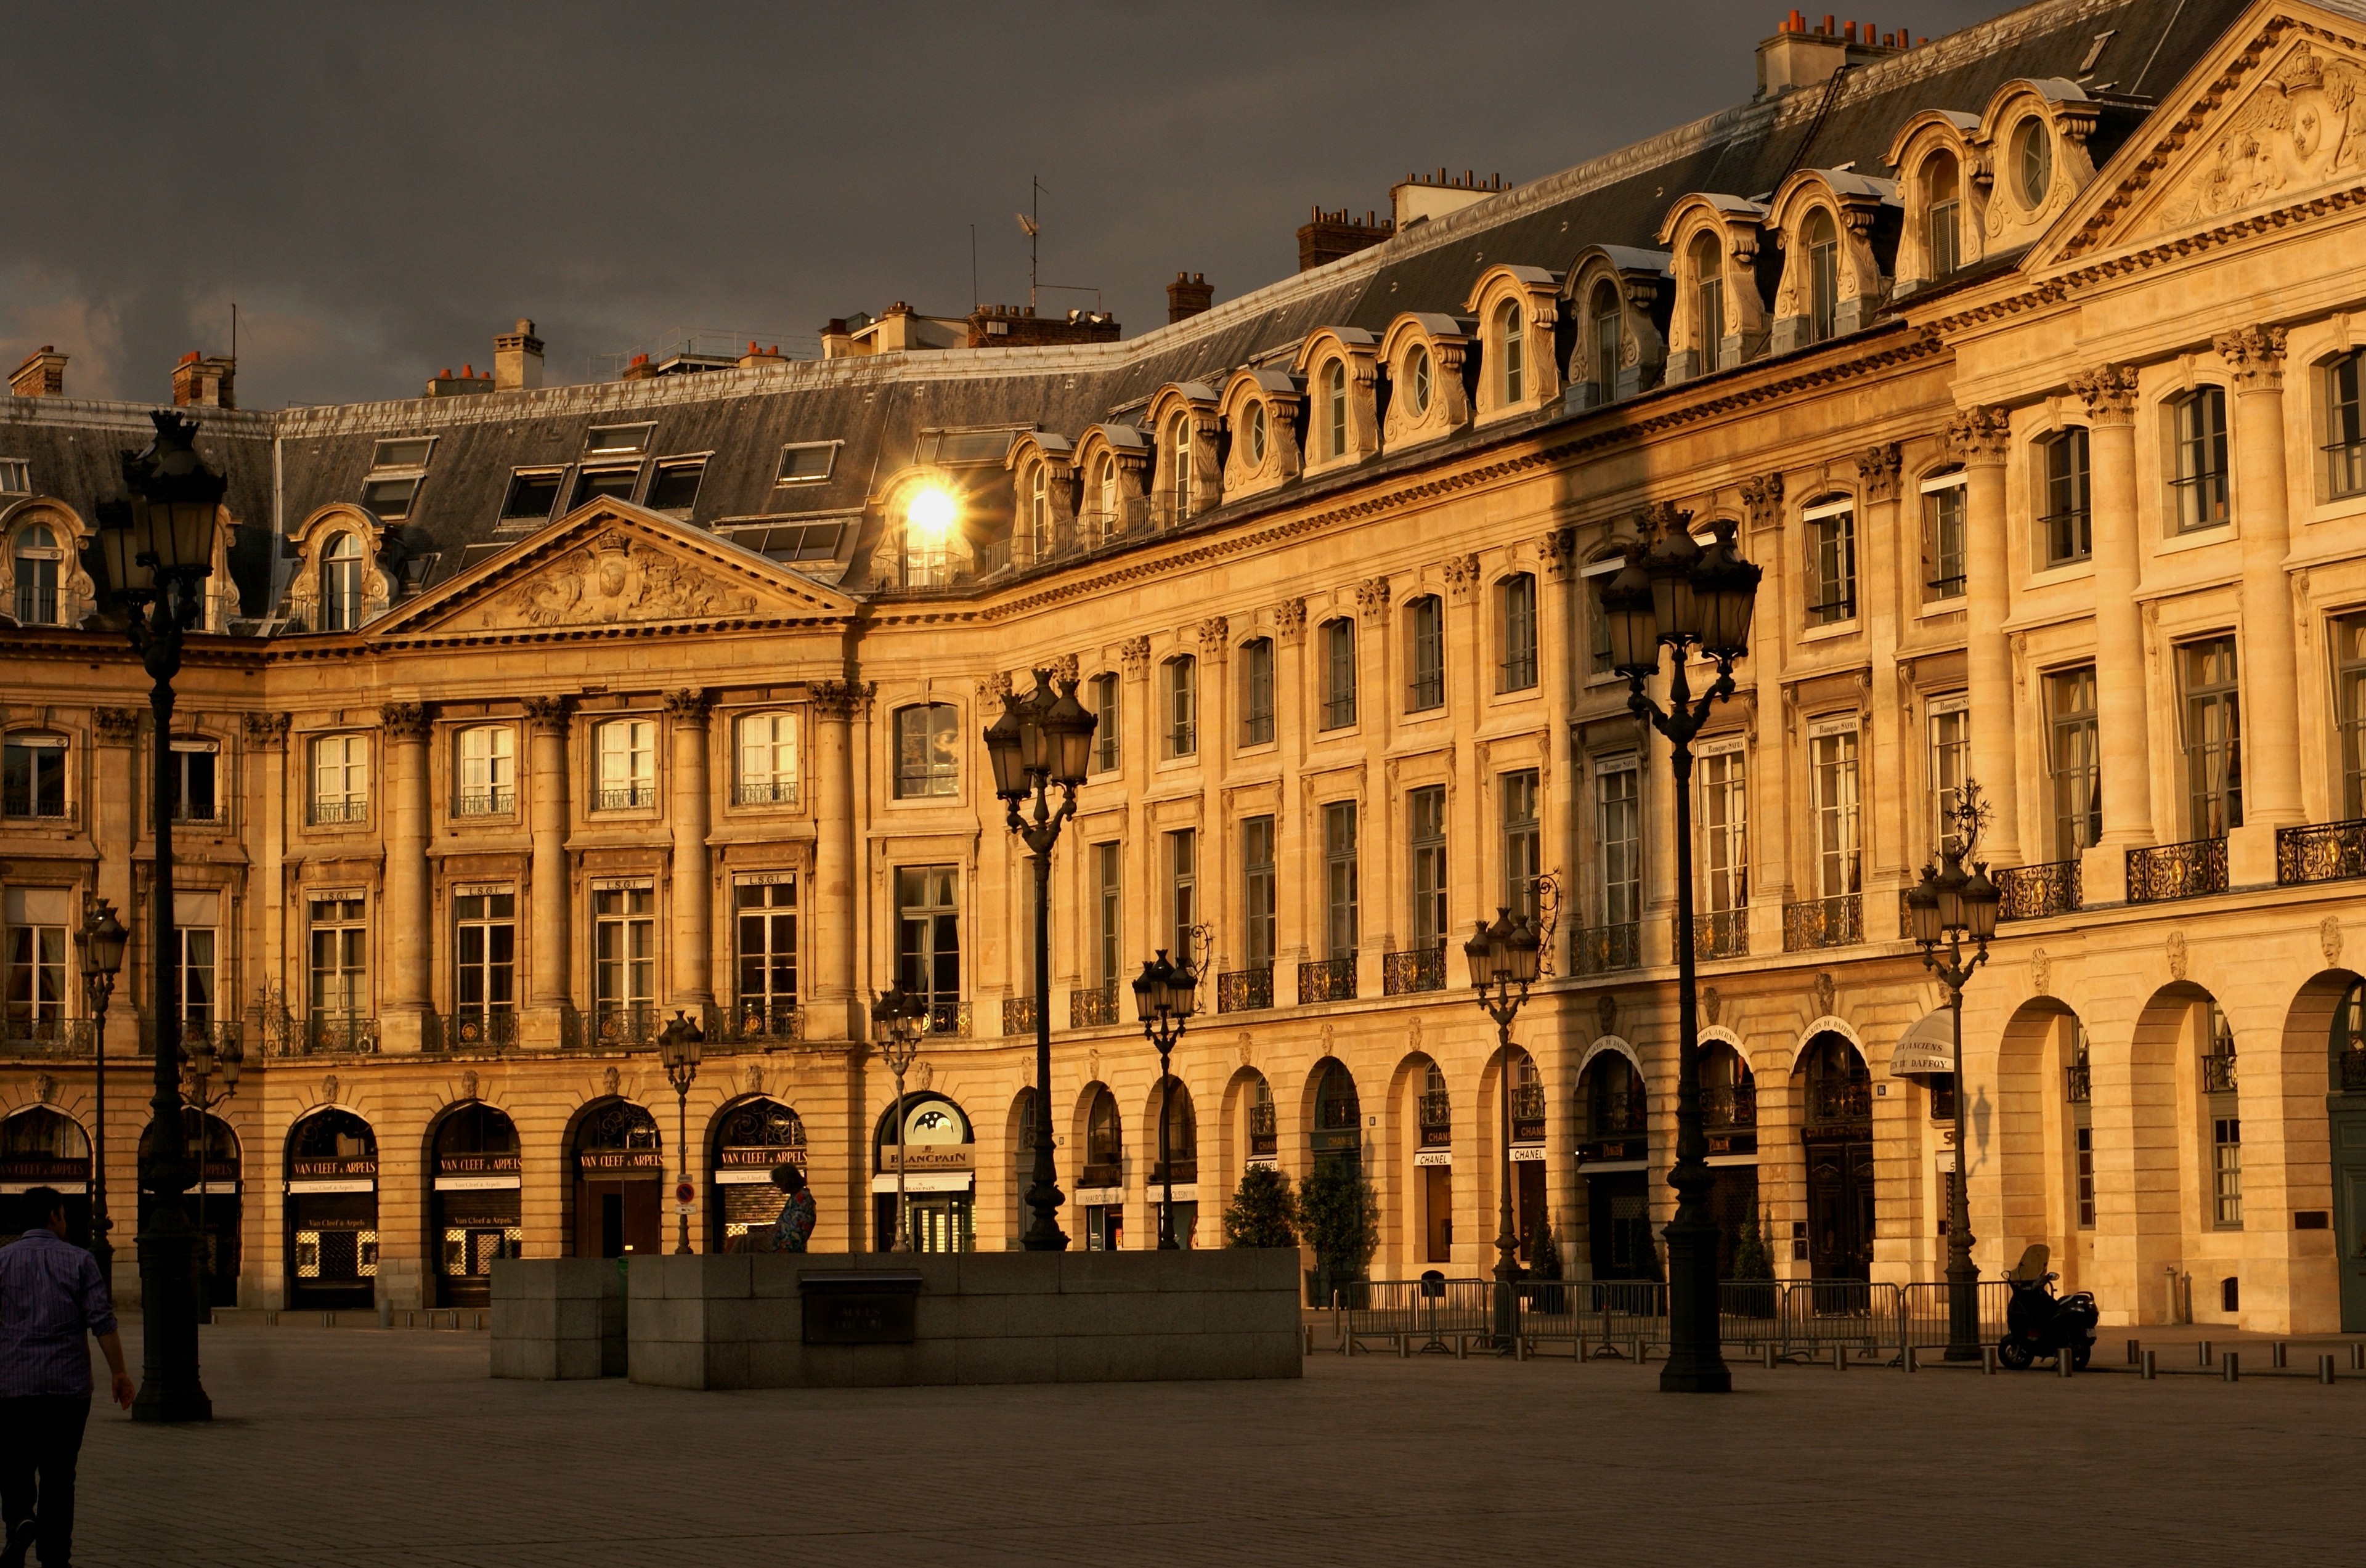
(517,359)
(1188,296)
(1798,57)
(1335,234)
(43,375)
(199,382)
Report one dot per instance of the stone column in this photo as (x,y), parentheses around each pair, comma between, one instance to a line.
(1561,645)
(1772,828)
(1292,865)
(269,921)
(1218,730)
(830,999)
(2271,666)
(410,946)
(1979,437)
(689,811)
(549,992)
(2121,722)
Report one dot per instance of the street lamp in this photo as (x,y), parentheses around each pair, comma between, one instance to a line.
(1166,995)
(103,941)
(1504,959)
(1949,908)
(901,1018)
(1040,743)
(679,1044)
(198,1065)
(1678,595)
(158,544)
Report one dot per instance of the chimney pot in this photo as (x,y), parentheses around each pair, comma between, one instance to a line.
(517,359)
(43,374)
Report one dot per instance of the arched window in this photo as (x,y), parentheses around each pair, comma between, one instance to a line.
(1104,1144)
(1178,446)
(341,584)
(1607,320)
(768,759)
(1256,433)
(1708,300)
(1264,1140)
(1436,1110)
(1106,492)
(1615,1104)
(1728,1091)
(39,566)
(1823,261)
(2033,162)
(1941,193)
(2348,1041)
(1335,409)
(488,755)
(1182,681)
(1418,372)
(927,751)
(1182,1138)
(1039,507)
(1512,343)
(1516,605)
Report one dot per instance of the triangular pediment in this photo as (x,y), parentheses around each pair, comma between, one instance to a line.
(2273,117)
(608,565)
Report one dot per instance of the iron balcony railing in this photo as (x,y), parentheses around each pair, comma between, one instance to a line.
(1421,969)
(475,1028)
(764,792)
(1841,1101)
(23,1033)
(2078,1083)
(2191,870)
(1603,949)
(630,797)
(991,557)
(1019,1015)
(1720,934)
(1823,922)
(499,802)
(949,1018)
(198,812)
(1728,1105)
(2218,1074)
(1327,980)
(330,1033)
(1616,1114)
(2325,852)
(615,1025)
(1091,1009)
(340,811)
(2033,892)
(756,1021)
(1436,1120)
(1245,990)
(2353,1068)
(43,806)
(1262,1139)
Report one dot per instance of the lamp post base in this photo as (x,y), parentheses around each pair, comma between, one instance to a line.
(1696,1361)
(169,1385)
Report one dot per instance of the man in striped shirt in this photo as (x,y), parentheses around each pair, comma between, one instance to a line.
(50,1295)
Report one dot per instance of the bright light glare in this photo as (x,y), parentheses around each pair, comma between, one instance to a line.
(930,514)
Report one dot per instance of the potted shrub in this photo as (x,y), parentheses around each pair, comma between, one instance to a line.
(1264,1210)
(1339,1215)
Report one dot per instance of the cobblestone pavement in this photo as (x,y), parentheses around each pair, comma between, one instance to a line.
(337,1449)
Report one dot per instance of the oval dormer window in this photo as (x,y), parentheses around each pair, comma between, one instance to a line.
(2032,160)
(1417,376)
(1257,434)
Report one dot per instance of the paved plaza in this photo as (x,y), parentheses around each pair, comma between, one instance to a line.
(355,1447)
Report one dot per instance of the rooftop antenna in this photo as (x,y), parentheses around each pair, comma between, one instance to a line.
(973,269)
(1029,223)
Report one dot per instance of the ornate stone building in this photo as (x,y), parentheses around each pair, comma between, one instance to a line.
(2027,360)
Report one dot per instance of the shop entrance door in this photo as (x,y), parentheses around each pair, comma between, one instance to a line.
(2349,1128)
(1840,1209)
(1619,1212)
(614,1216)
(1437,1205)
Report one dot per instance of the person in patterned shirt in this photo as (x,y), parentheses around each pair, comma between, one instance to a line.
(797,1215)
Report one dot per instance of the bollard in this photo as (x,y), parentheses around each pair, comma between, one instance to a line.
(1839,1358)
(2204,1349)
(2325,1369)
(1310,1338)
(1767,1350)
(2135,1357)
(2358,1357)
(2279,1355)
(1405,1346)
(1987,1361)
(2066,1363)
(2231,1366)
(1913,1362)
(1463,1346)
(2149,1367)
(1521,1348)
(1642,1352)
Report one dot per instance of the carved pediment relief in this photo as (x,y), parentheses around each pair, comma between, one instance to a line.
(608,580)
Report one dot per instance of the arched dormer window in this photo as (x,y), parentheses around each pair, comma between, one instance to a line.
(1943,214)
(342,565)
(1105,487)
(1608,330)
(39,568)
(1822,240)
(1420,375)
(1257,434)
(1708,282)
(1335,409)
(2033,162)
(1039,507)
(1511,348)
(1179,450)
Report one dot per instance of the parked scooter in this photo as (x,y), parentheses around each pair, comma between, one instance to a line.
(2037,1323)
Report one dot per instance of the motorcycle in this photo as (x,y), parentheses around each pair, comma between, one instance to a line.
(2038,1323)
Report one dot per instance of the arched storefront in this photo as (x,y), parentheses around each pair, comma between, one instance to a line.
(42,1147)
(2345,1116)
(215,1205)
(1337,1129)
(1529,1153)
(1614,1160)
(619,1158)
(750,1139)
(1730,1119)
(1837,1131)
(474,1212)
(939,1158)
(1100,1182)
(332,1211)
(1183,1149)
(1433,1164)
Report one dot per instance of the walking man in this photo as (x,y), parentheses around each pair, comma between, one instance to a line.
(50,1295)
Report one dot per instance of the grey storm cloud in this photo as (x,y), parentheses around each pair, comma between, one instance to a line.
(385,187)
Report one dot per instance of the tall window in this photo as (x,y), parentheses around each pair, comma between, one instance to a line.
(623,950)
(2069,523)
(1607,321)
(2349,709)
(765,917)
(1512,340)
(195,964)
(1708,300)
(340,961)
(928,752)
(1523,841)
(1105,492)
(1943,194)
(1943,543)
(1597,621)
(2345,426)
(1831,564)
(628,764)
(768,759)
(1335,409)
(1256,690)
(1951,758)
(33,776)
(1109,914)
(1724,827)
(1107,734)
(1179,451)
(1425,831)
(1183,896)
(2200,423)
(1425,634)
(1340,928)
(2214,744)
(341,778)
(1618,833)
(39,563)
(488,770)
(2075,761)
(928,940)
(484,952)
(1831,768)
(1258,903)
(1039,507)
(1182,679)
(1823,274)
(341,584)
(37,974)
(2227,1172)
(1516,601)
(1338,674)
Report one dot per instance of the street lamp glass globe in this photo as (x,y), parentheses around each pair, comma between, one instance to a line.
(1633,622)
(1070,724)
(1150,988)
(1949,887)
(1922,906)
(1981,899)
(1003,739)
(106,939)
(1482,955)
(1674,605)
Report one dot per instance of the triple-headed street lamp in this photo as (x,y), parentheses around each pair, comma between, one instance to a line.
(1165,994)
(159,546)
(680,1044)
(1504,960)
(901,1017)
(1673,594)
(103,942)
(1042,743)
(199,1064)
(1950,907)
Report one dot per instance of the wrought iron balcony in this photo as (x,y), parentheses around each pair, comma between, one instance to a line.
(338,1033)
(1436,1120)
(2218,1073)
(1617,1113)
(1603,949)
(1327,980)
(2324,852)
(1421,969)
(2033,892)
(340,811)
(1823,922)
(22,1033)
(2078,1083)
(949,1019)
(200,813)
(1262,1140)
(1093,1008)
(475,1028)
(1840,1101)
(1019,1015)
(758,1020)
(1720,933)
(2353,1068)
(1725,1106)
(764,792)
(497,802)
(1245,990)
(44,805)
(2191,870)
(630,797)
(617,1025)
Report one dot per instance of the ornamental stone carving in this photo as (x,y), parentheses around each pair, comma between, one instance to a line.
(2177,956)
(1134,654)
(1066,667)
(1290,619)
(1711,1004)
(1606,1013)
(266,729)
(2302,126)
(1461,575)
(405,721)
(839,699)
(1762,497)
(1876,468)
(1214,633)
(1978,437)
(1558,550)
(45,1088)
(1827,992)
(612,581)
(2109,393)
(117,726)
(468,1084)
(2041,973)
(329,1089)
(994,687)
(547,714)
(2255,356)
(690,705)
(2329,938)
(1373,598)
(609,1079)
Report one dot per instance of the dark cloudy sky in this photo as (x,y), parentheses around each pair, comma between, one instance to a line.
(390,185)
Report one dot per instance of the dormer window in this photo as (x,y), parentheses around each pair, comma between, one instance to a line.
(2033,162)
(396,468)
(15,476)
(38,561)
(1606,319)
(676,486)
(1511,343)
(1039,507)
(1708,302)
(605,484)
(806,462)
(1823,239)
(1257,434)
(1943,193)
(340,583)
(1178,446)
(1335,409)
(532,494)
(1418,372)
(618,440)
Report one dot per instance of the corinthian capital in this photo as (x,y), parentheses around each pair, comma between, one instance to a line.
(2255,357)
(2109,393)
(1977,437)
(404,721)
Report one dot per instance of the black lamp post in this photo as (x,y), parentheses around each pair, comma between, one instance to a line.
(1677,595)
(901,1018)
(159,546)
(680,1044)
(199,1063)
(1042,742)
(103,941)
(1166,995)
(1948,908)
(1504,960)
